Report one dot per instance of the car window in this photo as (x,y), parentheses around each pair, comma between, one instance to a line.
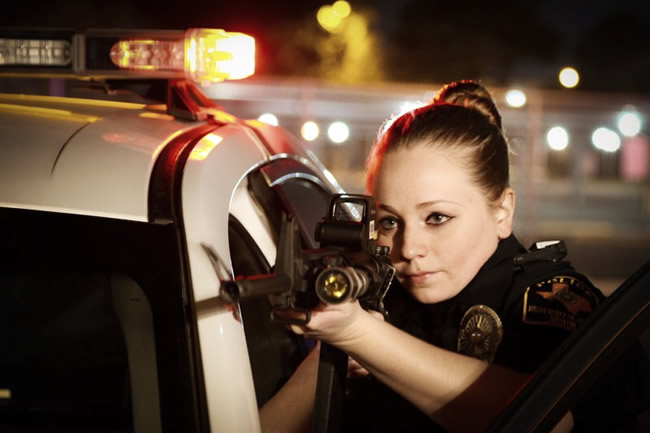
(93,332)
(287,185)
(64,354)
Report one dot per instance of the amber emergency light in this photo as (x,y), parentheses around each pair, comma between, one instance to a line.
(203,55)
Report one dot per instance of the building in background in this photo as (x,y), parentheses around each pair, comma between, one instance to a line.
(581,173)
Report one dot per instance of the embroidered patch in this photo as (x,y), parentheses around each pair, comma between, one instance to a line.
(560,301)
(480,333)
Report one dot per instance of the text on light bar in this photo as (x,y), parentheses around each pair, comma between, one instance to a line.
(34,52)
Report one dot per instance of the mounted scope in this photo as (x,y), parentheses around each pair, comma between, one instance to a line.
(348,266)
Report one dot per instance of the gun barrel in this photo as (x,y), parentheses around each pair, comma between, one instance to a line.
(258,285)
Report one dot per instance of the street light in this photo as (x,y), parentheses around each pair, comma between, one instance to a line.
(341,8)
(629,123)
(557,138)
(605,139)
(516,98)
(569,77)
(338,132)
(331,16)
(310,130)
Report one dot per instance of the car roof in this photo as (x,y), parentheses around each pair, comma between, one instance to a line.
(95,156)
(81,155)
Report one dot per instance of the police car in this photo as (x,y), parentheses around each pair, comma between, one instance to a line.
(127,197)
(124,201)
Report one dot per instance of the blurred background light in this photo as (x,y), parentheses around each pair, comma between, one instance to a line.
(516,98)
(404,108)
(409,106)
(569,77)
(629,123)
(557,138)
(605,139)
(310,130)
(268,118)
(338,132)
(429,95)
(341,8)
(328,20)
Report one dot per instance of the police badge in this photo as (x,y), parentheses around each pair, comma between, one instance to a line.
(480,333)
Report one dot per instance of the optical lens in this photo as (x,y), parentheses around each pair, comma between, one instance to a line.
(333,285)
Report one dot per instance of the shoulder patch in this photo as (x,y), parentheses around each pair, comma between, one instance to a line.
(561,301)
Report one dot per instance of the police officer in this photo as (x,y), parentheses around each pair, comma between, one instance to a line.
(472,313)
(515,312)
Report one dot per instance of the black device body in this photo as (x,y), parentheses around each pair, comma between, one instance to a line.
(348,265)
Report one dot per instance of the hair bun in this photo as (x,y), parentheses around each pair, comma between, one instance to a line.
(470,94)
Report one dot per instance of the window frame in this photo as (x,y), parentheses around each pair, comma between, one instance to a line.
(581,360)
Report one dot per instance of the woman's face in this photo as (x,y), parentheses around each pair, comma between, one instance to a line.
(438,224)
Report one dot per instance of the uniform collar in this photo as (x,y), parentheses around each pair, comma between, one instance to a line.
(493,280)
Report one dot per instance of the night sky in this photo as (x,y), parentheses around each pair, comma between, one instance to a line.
(418,40)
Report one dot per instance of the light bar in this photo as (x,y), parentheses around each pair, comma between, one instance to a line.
(205,55)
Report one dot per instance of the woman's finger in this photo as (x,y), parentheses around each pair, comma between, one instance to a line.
(355,369)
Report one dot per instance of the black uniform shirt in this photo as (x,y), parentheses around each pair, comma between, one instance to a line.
(537,304)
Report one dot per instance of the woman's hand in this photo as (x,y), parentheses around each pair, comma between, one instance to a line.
(336,323)
(355,369)
(331,322)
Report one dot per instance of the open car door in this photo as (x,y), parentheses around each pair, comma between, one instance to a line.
(601,373)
